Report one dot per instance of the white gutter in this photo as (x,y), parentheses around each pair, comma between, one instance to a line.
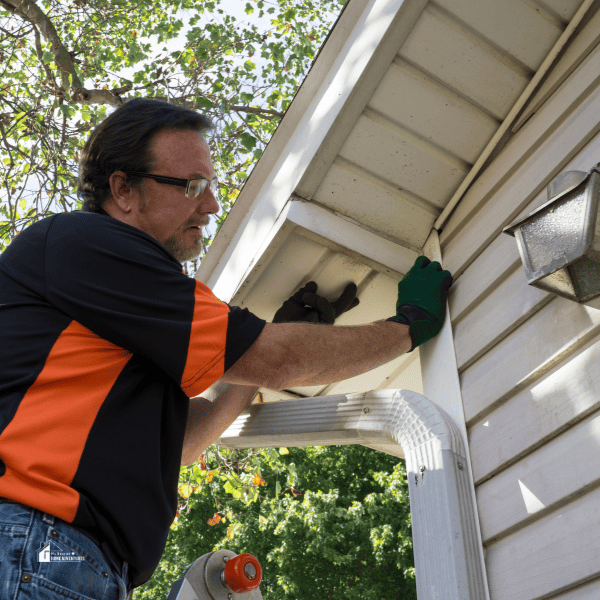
(514,112)
(404,424)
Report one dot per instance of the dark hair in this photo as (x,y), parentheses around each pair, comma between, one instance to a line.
(123,142)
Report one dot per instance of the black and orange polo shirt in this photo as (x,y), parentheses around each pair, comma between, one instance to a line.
(103,341)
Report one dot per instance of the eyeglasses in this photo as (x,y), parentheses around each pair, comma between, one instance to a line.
(193,187)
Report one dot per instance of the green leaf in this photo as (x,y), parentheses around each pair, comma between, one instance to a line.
(277,488)
(248,140)
(204,103)
(249,8)
(198,474)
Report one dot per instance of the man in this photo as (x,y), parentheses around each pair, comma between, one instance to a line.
(103,341)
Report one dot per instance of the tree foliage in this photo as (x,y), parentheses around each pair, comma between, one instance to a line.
(324,522)
(63,64)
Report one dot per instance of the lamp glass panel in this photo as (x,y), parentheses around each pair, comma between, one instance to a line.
(586,277)
(555,233)
(559,283)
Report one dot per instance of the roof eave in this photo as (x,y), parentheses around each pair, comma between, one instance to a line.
(348,69)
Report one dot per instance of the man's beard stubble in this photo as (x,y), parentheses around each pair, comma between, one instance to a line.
(182,252)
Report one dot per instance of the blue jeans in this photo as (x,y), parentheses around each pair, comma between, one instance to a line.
(44,558)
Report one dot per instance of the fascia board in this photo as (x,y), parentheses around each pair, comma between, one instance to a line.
(334,231)
(346,232)
(268,189)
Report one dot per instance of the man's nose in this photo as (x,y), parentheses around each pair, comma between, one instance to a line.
(209,204)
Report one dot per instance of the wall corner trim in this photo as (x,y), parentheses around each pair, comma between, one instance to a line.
(404,424)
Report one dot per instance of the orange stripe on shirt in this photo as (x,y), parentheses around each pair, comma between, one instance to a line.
(42,445)
(205,362)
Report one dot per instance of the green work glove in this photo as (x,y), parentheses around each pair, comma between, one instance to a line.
(421,303)
(305,305)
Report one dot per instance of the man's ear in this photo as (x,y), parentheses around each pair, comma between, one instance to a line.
(121,191)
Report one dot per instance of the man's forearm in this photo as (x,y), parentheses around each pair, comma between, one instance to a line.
(296,354)
(289,355)
(209,417)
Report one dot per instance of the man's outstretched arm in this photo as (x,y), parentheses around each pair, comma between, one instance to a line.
(297,354)
(288,355)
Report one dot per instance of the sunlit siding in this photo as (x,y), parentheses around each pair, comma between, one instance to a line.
(529,363)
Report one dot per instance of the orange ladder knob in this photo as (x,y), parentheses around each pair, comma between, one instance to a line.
(242,573)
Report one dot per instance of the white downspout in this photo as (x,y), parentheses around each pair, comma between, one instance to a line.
(441,384)
(400,423)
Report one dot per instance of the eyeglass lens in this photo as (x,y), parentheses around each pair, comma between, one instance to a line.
(197,187)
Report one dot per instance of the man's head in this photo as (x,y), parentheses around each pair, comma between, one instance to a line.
(151,137)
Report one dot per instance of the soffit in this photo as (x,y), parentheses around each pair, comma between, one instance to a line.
(438,103)
(435,90)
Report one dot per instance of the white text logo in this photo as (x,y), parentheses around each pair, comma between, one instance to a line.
(46,554)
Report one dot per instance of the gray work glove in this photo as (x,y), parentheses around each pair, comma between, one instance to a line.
(305,305)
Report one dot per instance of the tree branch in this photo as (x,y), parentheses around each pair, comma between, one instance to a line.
(97,97)
(40,55)
(263,112)
(15,35)
(31,12)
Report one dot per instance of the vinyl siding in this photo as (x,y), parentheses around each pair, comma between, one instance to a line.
(529,363)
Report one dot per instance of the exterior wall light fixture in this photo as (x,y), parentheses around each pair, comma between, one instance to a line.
(559,242)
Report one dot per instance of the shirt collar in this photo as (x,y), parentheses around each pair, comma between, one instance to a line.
(85,207)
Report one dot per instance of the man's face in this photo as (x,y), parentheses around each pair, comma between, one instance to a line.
(165,212)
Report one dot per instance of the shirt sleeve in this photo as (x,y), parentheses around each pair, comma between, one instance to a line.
(128,289)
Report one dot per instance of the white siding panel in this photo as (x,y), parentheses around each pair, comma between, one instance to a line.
(403,159)
(515,26)
(576,51)
(501,312)
(566,467)
(565,395)
(376,204)
(489,268)
(539,152)
(439,46)
(541,342)
(420,104)
(554,553)
(518,195)
(586,591)
(408,376)
(377,294)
